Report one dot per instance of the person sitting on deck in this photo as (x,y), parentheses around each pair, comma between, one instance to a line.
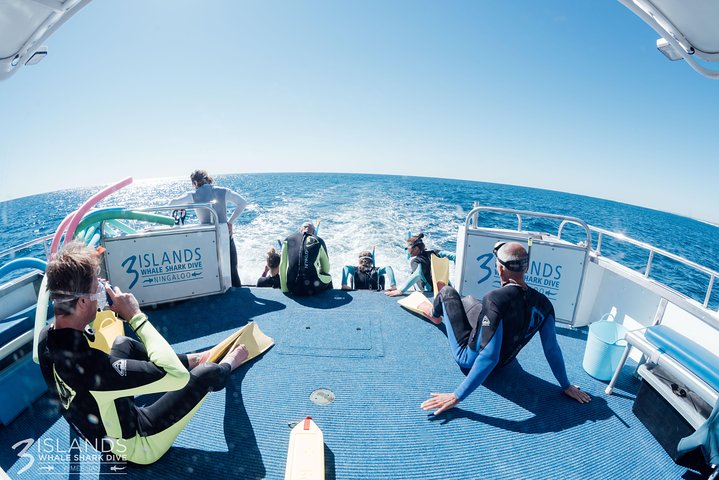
(96,390)
(365,276)
(219,197)
(421,265)
(271,276)
(490,333)
(304,263)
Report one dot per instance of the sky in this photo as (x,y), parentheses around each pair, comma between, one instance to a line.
(567,95)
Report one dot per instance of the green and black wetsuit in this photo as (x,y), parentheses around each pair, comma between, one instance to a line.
(97,390)
(304,265)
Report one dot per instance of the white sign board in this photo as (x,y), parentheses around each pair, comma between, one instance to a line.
(165,266)
(556,268)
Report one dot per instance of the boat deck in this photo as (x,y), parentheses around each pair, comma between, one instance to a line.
(381,362)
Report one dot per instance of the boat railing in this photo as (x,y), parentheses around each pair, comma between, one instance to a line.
(12,251)
(652,251)
(473,219)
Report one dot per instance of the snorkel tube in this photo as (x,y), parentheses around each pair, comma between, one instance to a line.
(70,221)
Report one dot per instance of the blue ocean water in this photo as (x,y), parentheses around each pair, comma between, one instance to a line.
(357,212)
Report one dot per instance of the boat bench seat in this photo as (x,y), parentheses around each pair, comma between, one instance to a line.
(17,324)
(695,358)
(685,361)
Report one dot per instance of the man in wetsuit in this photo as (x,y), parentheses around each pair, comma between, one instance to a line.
(97,390)
(304,263)
(219,197)
(490,333)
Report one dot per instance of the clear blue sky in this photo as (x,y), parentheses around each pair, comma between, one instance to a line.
(567,95)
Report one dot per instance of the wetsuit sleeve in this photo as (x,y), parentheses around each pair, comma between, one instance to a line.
(348,272)
(163,372)
(414,278)
(283,268)
(484,364)
(324,260)
(239,202)
(183,200)
(552,352)
(161,354)
(449,255)
(389,275)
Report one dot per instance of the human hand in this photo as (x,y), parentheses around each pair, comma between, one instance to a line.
(440,401)
(576,393)
(125,305)
(394,293)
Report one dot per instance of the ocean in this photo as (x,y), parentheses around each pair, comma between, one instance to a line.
(358,212)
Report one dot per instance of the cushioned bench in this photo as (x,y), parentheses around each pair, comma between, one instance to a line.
(697,359)
(682,359)
(17,324)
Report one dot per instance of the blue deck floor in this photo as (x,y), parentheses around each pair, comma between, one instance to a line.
(381,363)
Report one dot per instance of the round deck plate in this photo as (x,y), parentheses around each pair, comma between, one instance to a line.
(322,396)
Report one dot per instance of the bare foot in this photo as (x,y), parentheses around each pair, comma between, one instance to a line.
(235,358)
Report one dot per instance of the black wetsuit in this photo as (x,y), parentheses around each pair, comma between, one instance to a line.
(97,390)
(304,265)
(272,282)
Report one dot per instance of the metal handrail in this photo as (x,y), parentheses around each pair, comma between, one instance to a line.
(472,217)
(44,240)
(713,274)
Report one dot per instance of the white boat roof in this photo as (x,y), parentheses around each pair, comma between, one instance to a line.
(25,25)
(689,30)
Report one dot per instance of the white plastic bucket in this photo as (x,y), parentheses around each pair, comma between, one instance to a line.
(605,345)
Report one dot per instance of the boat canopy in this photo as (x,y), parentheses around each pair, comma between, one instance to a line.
(688,30)
(25,24)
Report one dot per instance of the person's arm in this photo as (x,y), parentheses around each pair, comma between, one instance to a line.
(553,354)
(283,268)
(183,200)
(324,263)
(348,272)
(239,202)
(389,276)
(163,372)
(482,367)
(449,255)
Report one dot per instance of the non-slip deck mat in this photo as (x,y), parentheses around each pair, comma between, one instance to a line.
(517,426)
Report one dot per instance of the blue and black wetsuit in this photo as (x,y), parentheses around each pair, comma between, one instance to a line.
(97,390)
(376,279)
(421,266)
(491,333)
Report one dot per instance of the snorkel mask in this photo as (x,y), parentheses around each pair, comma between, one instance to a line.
(520,265)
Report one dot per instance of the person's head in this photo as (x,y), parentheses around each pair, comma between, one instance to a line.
(415,245)
(308,227)
(366,263)
(72,281)
(512,261)
(200,178)
(273,258)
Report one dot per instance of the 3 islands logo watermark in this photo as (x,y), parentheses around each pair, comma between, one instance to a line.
(162,268)
(544,277)
(54,457)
